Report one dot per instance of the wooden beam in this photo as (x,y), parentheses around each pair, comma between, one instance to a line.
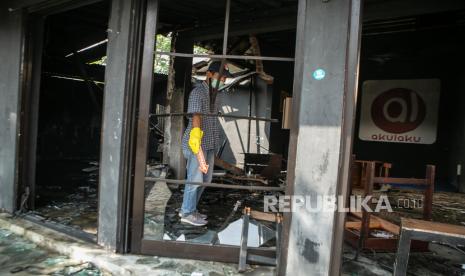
(400,181)
(358,224)
(433,227)
(428,200)
(263,216)
(178,89)
(228,167)
(386,225)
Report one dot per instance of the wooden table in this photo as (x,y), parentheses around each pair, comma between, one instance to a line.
(414,229)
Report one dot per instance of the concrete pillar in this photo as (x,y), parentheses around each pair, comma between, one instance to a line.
(117,117)
(11,45)
(179,84)
(317,150)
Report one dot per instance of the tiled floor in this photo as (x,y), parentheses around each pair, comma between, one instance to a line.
(19,256)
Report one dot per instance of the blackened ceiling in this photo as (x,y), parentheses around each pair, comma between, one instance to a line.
(274,22)
(76,29)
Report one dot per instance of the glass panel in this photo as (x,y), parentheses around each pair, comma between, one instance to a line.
(245,152)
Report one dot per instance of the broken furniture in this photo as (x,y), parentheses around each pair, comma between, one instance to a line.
(227,166)
(359,168)
(267,165)
(359,226)
(427,231)
(244,256)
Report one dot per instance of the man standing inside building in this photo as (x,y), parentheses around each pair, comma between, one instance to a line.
(202,132)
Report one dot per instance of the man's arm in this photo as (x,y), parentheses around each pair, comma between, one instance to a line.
(196,134)
(196,120)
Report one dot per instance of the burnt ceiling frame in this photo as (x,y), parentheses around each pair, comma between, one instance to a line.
(224,54)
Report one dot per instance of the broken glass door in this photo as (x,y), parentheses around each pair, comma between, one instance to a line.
(245,170)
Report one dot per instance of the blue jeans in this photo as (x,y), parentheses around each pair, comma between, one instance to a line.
(192,193)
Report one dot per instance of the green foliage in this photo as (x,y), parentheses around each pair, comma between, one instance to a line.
(162,63)
(102,61)
(200,50)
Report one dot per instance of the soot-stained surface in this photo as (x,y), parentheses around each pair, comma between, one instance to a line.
(68,194)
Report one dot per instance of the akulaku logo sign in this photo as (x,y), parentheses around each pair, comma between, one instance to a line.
(400,111)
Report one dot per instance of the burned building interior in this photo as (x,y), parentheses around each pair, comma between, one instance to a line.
(255,107)
(69,117)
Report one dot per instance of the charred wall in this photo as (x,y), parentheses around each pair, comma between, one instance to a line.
(431,51)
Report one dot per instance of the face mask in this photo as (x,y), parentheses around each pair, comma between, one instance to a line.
(215,83)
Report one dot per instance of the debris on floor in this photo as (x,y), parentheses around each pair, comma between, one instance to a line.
(73,203)
(110,263)
(441,260)
(21,257)
(162,219)
(447,207)
(163,202)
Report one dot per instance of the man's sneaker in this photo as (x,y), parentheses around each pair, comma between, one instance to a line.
(196,212)
(194,219)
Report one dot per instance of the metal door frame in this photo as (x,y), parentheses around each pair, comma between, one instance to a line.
(169,248)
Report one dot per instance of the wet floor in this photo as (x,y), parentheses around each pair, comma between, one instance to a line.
(20,257)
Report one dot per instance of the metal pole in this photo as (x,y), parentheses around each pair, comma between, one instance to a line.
(250,114)
(217,115)
(146,88)
(215,185)
(226,26)
(161,53)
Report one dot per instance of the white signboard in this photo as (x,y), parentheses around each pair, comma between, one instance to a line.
(400,111)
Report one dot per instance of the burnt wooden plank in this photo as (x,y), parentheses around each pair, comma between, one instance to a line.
(228,167)
(433,227)
(400,181)
(428,205)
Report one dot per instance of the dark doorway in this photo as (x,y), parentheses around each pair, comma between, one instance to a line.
(69,85)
